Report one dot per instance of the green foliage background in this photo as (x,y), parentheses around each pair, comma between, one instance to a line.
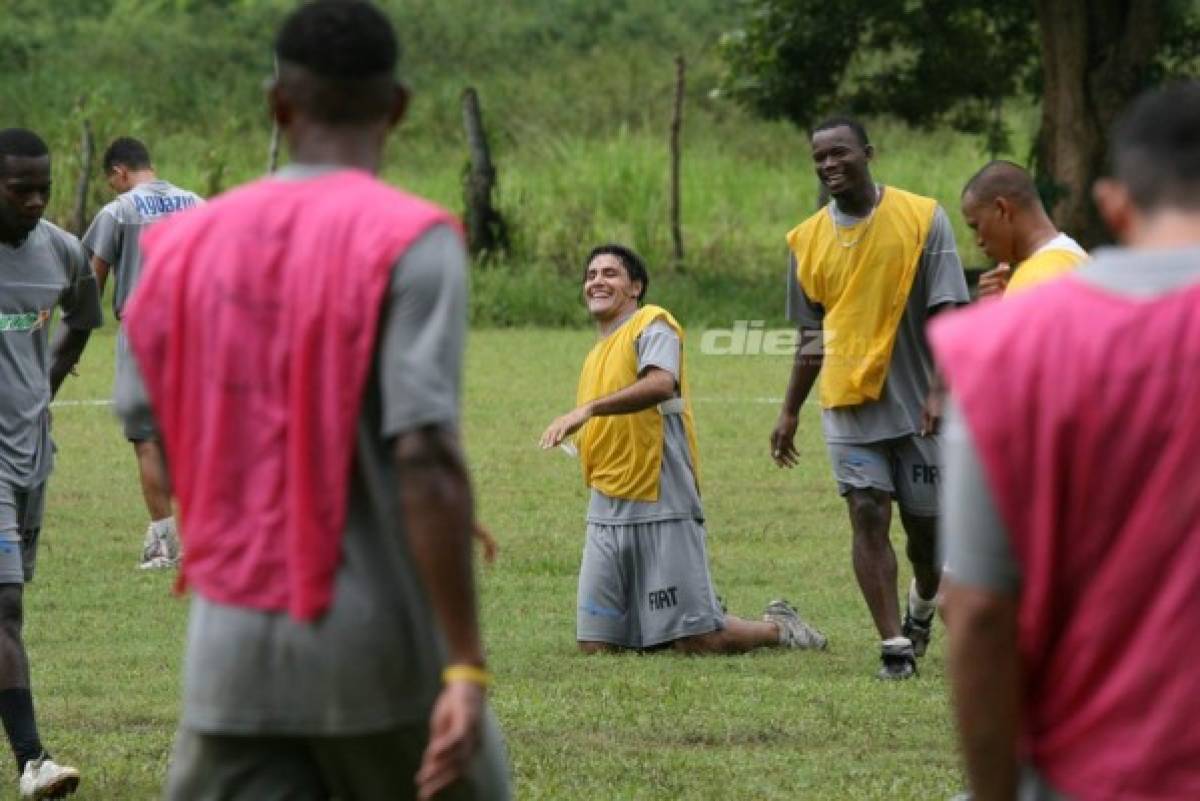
(577,99)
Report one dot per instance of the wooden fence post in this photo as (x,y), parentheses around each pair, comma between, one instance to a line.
(87,147)
(486,231)
(676,126)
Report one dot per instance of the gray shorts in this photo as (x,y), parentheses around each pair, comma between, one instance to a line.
(126,372)
(645,584)
(20,526)
(369,767)
(909,468)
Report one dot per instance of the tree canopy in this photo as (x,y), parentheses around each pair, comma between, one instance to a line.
(956,61)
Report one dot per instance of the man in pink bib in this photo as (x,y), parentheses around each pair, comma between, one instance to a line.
(300,340)
(1071,517)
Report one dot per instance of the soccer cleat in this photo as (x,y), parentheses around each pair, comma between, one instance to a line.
(158,563)
(160,551)
(168,543)
(793,631)
(917,631)
(44,778)
(151,546)
(899,661)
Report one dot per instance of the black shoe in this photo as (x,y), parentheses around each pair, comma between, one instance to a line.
(899,661)
(917,631)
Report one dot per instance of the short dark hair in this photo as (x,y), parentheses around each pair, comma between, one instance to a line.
(21,142)
(1000,178)
(838,121)
(631,261)
(348,50)
(1155,147)
(126,152)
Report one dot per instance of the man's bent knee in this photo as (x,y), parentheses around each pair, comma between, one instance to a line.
(869,510)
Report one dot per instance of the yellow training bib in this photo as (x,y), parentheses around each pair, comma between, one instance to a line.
(1043,266)
(621,454)
(861,276)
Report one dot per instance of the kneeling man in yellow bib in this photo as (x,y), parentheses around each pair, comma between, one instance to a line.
(644,582)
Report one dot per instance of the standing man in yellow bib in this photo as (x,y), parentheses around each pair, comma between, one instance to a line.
(644,582)
(871,268)
(1001,205)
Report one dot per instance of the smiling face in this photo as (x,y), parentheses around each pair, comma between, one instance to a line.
(608,290)
(841,160)
(992,223)
(24,192)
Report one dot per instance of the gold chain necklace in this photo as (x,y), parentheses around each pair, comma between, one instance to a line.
(865,224)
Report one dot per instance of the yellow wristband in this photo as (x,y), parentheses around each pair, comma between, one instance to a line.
(467,673)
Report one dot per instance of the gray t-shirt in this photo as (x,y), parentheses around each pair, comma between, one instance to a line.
(976,550)
(678,498)
(372,661)
(48,269)
(897,413)
(115,234)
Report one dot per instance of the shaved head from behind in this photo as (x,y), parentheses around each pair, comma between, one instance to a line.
(337,60)
(1154,193)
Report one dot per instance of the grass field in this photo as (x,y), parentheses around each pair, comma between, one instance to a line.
(106,640)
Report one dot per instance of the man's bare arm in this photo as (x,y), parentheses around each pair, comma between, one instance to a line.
(65,351)
(436,504)
(100,267)
(437,507)
(653,387)
(985,684)
(810,355)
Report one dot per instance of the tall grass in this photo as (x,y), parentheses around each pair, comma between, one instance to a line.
(576,99)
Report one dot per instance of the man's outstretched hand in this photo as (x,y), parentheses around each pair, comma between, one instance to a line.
(564,426)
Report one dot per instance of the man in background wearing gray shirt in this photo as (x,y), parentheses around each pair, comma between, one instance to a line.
(880,447)
(41,267)
(113,240)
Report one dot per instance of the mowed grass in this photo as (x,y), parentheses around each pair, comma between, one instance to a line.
(106,640)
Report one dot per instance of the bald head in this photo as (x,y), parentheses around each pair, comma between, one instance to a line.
(1002,179)
(1001,205)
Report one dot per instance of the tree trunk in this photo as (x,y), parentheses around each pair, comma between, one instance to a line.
(1095,54)
(486,231)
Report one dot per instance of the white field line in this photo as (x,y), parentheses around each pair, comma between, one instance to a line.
(775,401)
(61,403)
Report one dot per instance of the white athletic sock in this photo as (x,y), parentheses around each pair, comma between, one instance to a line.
(921,608)
(164,527)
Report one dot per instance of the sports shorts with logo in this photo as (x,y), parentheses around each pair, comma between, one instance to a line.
(907,467)
(644,584)
(20,525)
